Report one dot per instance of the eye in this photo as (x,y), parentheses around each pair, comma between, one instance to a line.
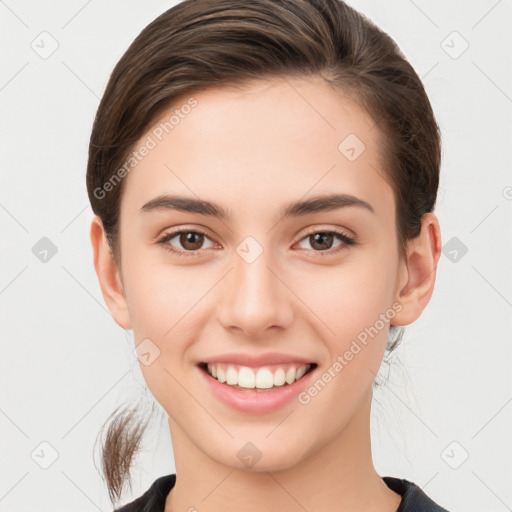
(322,241)
(190,240)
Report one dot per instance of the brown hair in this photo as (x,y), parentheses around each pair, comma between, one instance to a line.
(199,44)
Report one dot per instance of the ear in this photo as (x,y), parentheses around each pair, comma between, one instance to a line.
(418,273)
(109,275)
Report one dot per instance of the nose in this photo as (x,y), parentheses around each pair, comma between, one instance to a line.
(255,298)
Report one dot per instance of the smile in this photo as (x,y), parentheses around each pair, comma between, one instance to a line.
(262,378)
(256,389)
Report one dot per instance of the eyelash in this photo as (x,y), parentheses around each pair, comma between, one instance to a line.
(347,241)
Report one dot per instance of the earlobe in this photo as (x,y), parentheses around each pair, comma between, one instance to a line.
(109,275)
(423,254)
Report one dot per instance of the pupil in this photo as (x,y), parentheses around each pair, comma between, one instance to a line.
(322,236)
(188,238)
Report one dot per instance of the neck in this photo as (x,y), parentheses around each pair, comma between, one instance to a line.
(338,476)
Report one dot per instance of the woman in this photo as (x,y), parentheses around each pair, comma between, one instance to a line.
(263,176)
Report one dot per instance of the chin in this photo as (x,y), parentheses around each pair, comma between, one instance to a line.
(260,457)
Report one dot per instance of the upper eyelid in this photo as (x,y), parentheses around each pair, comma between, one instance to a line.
(172,234)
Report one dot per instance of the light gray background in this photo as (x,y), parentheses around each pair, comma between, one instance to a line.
(66,365)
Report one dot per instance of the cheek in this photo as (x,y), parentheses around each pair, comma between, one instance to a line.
(166,299)
(170,304)
(350,297)
(353,309)
(161,294)
(167,306)
(353,313)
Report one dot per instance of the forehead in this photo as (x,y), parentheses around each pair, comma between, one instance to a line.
(260,142)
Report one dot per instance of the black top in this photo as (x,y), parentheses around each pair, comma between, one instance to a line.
(413,498)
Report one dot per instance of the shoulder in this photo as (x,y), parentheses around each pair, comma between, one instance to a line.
(414,498)
(153,500)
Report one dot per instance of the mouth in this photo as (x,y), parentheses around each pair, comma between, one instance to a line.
(257,379)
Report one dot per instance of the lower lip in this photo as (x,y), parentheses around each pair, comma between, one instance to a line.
(253,401)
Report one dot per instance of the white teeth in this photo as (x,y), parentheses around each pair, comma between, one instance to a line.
(245,378)
(300,372)
(221,377)
(290,375)
(212,370)
(279,377)
(231,376)
(262,378)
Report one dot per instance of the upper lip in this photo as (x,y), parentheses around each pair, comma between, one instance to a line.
(257,360)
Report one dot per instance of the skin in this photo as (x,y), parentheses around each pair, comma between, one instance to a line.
(253,150)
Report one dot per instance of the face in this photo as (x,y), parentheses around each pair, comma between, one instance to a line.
(313,285)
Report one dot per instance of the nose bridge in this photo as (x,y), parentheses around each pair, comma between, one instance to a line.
(254,298)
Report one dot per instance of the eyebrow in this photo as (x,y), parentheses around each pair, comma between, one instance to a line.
(316,204)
